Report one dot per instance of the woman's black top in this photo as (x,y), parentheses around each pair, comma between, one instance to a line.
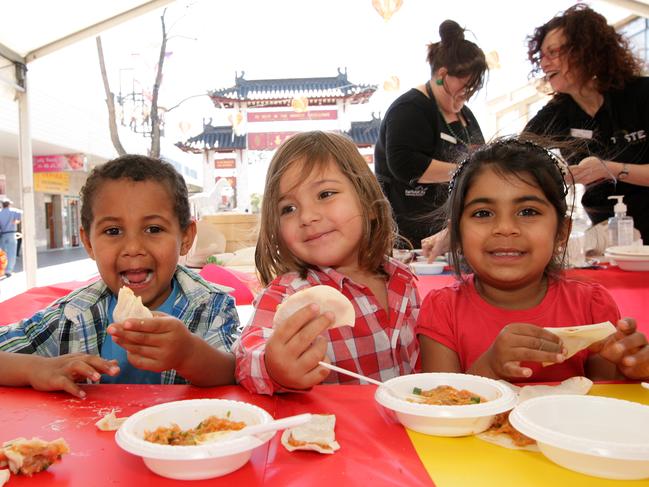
(412,133)
(619,132)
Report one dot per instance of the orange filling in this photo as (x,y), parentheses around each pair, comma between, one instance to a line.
(173,435)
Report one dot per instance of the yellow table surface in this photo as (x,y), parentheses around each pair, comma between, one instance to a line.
(471,462)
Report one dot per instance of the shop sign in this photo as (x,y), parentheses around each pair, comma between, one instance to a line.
(52,182)
(290,116)
(225,163)
(60,162)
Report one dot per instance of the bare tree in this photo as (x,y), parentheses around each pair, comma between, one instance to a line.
(154,150)
(110,102)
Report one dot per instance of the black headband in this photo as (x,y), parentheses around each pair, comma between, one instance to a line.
(558,163)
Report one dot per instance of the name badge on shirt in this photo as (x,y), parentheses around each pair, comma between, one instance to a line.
(447,138)
(581,133)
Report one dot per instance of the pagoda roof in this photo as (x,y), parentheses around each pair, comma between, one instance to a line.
(223,139)
(365,133)
(220,139)
(281,92)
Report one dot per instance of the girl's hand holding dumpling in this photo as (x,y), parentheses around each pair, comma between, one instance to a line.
(627,348)
(295,348)
(516,343)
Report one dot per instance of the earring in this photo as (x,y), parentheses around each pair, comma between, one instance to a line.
(439,81)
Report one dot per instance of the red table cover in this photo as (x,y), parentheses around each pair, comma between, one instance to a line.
(374,449)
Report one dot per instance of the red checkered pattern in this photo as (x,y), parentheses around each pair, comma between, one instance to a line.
(381,345)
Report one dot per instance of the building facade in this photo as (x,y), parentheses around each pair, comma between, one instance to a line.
(263,114)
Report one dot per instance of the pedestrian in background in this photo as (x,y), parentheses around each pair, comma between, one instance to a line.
(9,219)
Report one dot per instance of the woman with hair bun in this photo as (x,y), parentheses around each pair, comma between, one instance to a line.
(601,100)
(427,128)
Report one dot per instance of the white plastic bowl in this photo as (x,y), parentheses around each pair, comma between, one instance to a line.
(446,420)
(199,461)
(597,436)
(629,250)
(629,262)
(424,268)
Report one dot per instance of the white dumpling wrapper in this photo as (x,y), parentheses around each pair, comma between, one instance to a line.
(575,385)
(129,306)
(317,434)
(327,297)
(577,338)
(110,422)
(4,477)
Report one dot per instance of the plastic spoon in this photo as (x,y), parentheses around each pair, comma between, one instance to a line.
(397,394)
(256,429)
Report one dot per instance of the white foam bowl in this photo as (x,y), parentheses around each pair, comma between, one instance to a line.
(446,420)
(197,461)
(629,250)
(629,262)
(424,268)
(597,436)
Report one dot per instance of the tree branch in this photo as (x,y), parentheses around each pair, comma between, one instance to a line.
(155,118)
(110,102)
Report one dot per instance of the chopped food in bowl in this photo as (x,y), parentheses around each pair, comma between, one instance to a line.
(447,396)
(598,436)
(461,419)
(196,447)
(206,430)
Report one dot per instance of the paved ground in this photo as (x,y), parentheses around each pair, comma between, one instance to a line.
(54,266)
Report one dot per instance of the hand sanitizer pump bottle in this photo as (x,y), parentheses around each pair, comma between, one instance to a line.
(620,226)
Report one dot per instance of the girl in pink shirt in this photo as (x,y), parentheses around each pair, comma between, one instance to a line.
(508,226)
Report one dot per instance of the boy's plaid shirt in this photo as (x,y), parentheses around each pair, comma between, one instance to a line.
(381,345)
(77,322)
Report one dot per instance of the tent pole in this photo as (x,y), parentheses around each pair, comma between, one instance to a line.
(26,177)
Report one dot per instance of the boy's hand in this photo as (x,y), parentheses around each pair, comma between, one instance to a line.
(295,348)
(159,343)
(627,348)
(62,373)
(522,342)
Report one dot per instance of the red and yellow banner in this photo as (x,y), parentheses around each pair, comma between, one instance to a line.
(267,140)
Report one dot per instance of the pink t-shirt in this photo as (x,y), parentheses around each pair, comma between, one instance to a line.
(458,318)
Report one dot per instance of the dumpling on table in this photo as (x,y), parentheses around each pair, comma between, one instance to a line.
(316,435)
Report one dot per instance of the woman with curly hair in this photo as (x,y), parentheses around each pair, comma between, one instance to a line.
(600,100)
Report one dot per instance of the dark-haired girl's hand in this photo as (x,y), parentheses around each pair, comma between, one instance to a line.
(627,348)
(521,342)
(295,348)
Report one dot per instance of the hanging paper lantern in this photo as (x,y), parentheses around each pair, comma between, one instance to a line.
(300,104)
(184,126)
(392,84)
(387,8)
(236,120)
(493,60)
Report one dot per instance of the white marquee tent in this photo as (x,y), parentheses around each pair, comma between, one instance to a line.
(31,29)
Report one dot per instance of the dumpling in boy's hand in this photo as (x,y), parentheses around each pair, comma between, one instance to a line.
(129,306)
(328,298)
